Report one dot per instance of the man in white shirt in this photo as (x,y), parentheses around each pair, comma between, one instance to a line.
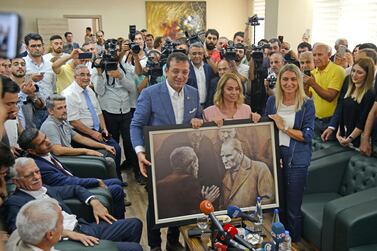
(40,69)
(85,114)
(56,45)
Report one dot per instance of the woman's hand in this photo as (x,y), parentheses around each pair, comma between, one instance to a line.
(255,117)
(343,141)
(278,121)
(219,122)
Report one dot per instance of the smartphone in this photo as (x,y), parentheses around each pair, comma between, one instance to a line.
(132,32)
(10,34)
(307,73)
(27,78)
(85,55)
(342,51)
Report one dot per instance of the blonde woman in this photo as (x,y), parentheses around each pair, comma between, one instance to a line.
(229,102)
(356,103)
(293,114)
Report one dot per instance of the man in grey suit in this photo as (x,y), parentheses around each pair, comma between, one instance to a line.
(169,102)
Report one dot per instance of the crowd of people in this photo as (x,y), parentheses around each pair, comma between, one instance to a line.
(75,100)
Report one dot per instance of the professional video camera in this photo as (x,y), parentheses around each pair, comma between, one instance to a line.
(135,48)
(168,48)
(194,38)
(154,68)
(109,59)
(254,20)
(257,53)
(228,51)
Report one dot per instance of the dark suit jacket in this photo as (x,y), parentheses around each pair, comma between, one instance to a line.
(209,75)
(19,198)
(178,194)
(55,177)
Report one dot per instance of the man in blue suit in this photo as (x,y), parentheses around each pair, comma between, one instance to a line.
(201,74)
(126,232)
(54,173)
(167,103)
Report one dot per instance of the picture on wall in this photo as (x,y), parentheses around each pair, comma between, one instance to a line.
(228,165)
(169,18)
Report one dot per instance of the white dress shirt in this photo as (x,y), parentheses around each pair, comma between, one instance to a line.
(77,109)
(47,84)
(178,103)
(201,82)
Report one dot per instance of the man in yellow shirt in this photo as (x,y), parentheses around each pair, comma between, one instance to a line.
(65,71)
(325,83)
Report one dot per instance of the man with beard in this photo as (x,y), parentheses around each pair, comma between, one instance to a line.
(212,53)
(276,63)
(5,67)
(39,68)
(56,45)
(9,97)
(69,45)
(242,69)
(29,97)
(200,74)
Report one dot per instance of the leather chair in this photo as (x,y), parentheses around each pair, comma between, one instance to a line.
(335,183)
(77,246)
(86,166)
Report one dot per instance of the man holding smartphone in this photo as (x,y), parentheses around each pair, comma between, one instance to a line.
(65,72)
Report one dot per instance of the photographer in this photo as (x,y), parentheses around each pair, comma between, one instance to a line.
(30,98)
(152,71)
(276,63)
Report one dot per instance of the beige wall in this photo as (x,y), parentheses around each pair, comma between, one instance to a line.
(227,16)
(288,18)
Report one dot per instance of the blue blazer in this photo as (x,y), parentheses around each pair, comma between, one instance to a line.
(19,198)
(300,153)
(154,108)
(209,75)
(55,177)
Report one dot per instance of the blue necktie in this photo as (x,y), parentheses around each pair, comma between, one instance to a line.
(92,110)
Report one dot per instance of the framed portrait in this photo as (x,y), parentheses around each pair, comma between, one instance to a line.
(167,18)
(228,165)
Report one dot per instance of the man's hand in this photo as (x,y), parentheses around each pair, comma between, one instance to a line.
(29,88)
(97,136)
(100,211)
(93,153)
(115,74)
(143,163)
(365,146)
(309,80)
(75,54)
(210,193)
(16,151)
(196,123)
(101,183)
(110,149)
(326,134)
(87,240)
(36,77)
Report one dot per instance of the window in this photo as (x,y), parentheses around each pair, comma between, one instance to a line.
(259,9)
(355,20)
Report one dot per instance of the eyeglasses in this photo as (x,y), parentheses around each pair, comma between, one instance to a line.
(36,45)
(31,175)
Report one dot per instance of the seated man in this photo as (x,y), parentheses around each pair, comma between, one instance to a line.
(85,114)
(60,133)
(39,226)
(126,232)
(53,172)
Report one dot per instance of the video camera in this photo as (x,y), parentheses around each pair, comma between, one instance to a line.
(257,53)
(228,51)
(109,59)
(271,79)
(135,48)
(254,20)
(194,38)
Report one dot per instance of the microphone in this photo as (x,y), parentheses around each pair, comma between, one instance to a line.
(235,212)
(207,208)
(234,234)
